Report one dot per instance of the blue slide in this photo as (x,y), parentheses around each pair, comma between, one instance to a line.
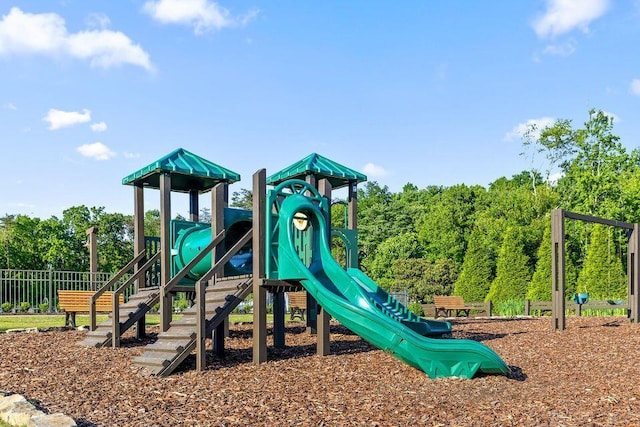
(353,301)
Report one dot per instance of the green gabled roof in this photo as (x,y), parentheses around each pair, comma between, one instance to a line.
(321,167)
(188,172)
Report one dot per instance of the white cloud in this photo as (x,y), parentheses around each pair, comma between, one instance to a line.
(555,177)
(635,87)
(99,127)
(129,155)
(98,20)
(46,34)
(202,15)
(561,49)
(563,16)
(10,106)
(374,171)
(97,151)
(531,126)
(59,119)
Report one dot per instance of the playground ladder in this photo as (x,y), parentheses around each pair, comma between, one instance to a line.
(173,346)
(133,310)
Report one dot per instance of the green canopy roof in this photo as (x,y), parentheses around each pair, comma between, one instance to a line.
(188,172)
(315,164)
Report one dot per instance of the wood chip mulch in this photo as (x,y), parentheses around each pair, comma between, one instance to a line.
(586,375)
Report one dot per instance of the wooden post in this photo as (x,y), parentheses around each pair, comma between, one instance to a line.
(557,269)
(166,308)
(323,317)
(92,244)
(312,305)
(201,326)
(633,272)
(278,319)
(352,206)
(259,293)
(218,203)
(194,209)
(489,308)
(527,307)
(139,246)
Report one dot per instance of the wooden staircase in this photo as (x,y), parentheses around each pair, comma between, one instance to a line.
(173,346)
(133,310)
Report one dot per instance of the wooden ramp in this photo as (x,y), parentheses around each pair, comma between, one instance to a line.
(133,310)
(173,346)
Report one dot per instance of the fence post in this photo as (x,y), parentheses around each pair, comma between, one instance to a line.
(527,307)
(51,299)
(489,308)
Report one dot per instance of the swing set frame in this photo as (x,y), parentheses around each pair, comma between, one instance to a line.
(558,301)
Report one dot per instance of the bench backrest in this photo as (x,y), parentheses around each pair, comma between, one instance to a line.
(297,299)
(448,301)
(78,301)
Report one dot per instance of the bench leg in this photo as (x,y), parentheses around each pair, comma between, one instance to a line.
(70,319)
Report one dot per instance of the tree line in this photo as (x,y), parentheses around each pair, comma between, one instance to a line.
(479,242)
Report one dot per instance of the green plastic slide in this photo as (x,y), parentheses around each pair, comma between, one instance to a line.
(349,302)
(393,308)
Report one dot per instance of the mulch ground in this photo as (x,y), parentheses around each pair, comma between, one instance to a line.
(586,375)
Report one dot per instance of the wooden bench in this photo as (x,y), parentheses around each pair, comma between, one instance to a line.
(297,304)
(448,306)
(73,302)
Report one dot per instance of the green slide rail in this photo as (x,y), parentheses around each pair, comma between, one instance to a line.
(393,308)
(349,303)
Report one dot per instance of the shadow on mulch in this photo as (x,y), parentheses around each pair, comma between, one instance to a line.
(81,422)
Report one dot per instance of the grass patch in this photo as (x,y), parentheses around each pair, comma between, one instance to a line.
(41,321)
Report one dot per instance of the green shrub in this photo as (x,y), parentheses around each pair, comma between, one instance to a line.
(509,308)
(416,308)
(6,307)
(155,308)
(181,304)
(43,307)
(24,306)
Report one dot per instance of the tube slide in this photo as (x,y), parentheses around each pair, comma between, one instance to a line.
(348,298)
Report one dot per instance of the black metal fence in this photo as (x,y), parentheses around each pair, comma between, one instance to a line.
(37,290)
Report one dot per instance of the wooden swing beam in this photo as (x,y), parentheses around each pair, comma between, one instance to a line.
(558,263)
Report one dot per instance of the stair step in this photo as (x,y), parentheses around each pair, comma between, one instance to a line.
(152,361)
(172,346)
(100,333)
(176,336)
(93,342)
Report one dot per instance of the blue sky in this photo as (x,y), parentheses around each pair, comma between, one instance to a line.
(427,92)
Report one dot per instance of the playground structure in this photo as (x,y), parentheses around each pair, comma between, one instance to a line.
(558,297)
(282,245)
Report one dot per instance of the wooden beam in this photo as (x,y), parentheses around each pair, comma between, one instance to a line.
(279,308)
(633,273)
(139,246)
(597,220)
(322,321)
(194,208)
(259,293)
(166,309)
(558,269)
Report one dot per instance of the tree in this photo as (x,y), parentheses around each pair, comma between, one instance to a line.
(540,287)
(242,199)
(602,275)
(477,269)
(402,246)
(513,270)
(444,229)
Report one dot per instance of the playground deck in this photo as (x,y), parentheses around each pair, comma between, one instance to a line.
(577,377)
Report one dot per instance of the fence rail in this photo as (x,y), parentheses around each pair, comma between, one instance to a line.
(30,290)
